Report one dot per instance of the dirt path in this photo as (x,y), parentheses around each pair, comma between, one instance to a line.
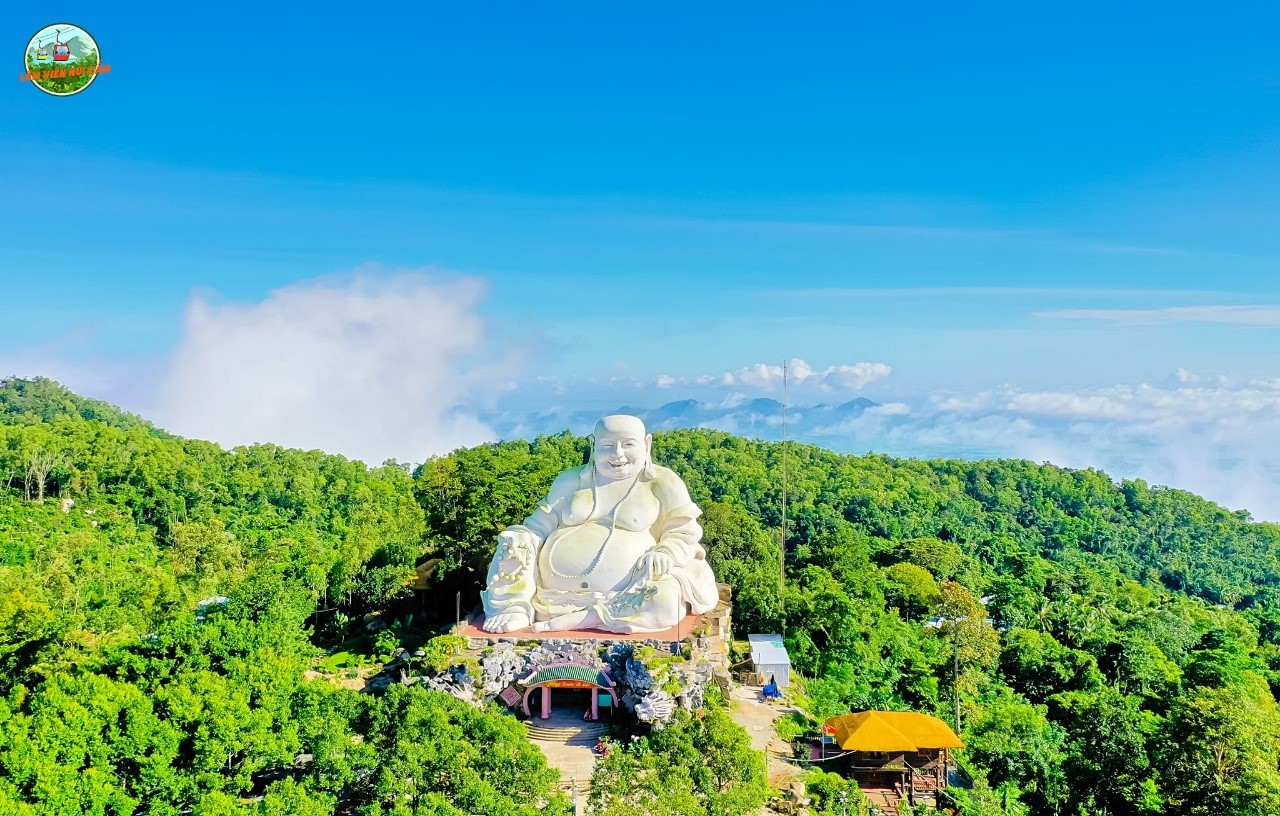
(758,718)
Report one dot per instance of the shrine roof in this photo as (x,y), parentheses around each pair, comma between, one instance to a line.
(569,671)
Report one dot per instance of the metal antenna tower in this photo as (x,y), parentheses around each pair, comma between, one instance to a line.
(782,550)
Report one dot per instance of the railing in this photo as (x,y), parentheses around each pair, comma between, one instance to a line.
(912,783)
(921,781)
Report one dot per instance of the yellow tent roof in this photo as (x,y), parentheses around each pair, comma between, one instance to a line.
(890,731)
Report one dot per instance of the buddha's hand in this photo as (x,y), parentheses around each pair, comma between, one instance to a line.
(655,564)
(507,621)
(518,544)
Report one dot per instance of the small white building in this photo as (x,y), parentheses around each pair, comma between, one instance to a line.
(769,658)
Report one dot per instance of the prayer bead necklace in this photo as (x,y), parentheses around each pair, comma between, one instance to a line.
(613,520)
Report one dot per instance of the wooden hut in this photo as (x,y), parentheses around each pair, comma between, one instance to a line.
(905,752)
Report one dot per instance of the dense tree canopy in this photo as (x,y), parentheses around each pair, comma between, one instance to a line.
(1111,647)
(121,694)
(1077,622)
(699,765)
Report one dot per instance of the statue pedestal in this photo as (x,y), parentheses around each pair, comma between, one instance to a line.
(473,631)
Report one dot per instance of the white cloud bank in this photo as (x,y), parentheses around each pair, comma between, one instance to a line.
(1209,435)
(371,365)
(766,377)
(377,365)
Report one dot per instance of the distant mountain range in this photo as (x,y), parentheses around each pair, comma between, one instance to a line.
(758,418)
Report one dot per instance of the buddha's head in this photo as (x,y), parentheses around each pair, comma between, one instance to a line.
(620,447)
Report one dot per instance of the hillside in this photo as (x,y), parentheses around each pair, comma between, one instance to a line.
(1113,647)
(25,401)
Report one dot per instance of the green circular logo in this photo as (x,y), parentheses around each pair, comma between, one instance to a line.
(62,59)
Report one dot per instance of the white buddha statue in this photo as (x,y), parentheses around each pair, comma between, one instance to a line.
(613,546)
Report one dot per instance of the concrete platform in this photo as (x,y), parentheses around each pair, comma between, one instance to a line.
(473,629)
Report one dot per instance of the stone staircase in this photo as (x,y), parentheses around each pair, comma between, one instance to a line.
(582,789)
(579,793)
(584,734)
(884,799)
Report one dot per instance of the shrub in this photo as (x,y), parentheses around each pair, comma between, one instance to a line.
(441,652)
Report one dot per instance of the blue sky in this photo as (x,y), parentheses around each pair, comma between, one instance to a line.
(988,199)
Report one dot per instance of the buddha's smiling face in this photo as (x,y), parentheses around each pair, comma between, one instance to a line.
(621,447)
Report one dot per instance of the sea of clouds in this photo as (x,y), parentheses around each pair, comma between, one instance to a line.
(379,364)
(1214,437)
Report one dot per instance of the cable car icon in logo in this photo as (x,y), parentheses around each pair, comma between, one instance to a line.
(62,59)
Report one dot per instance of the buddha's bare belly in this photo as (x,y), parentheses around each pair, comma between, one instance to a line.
(565,560)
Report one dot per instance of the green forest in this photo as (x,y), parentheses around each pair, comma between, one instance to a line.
(1110,647)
